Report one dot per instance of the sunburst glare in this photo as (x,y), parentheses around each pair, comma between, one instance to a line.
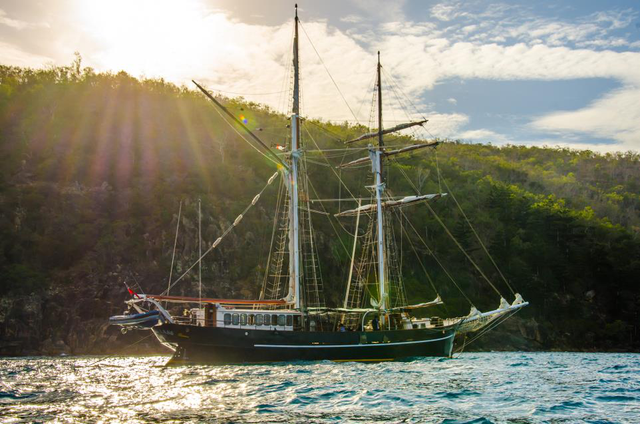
(151,37)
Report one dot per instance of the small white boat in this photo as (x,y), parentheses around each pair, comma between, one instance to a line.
(143,320)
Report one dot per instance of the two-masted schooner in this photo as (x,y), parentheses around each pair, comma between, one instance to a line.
(290,321)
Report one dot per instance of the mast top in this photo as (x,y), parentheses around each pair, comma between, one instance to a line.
(296,10)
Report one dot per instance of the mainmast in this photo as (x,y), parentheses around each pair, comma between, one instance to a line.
(376,157)
(294,237)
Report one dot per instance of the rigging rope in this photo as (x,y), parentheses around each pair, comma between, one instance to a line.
(444,227)
(438,170)
(451,235)
(341,182)
(331,167)
(364,96)
(488,328)
(246,94)
(478,237)
(175,243)
(227,231)
(425,244)
(433,254)
(395,84)
(403,231)
(328,73)
(332,226)
(276,217)
(322,128)
(243,137)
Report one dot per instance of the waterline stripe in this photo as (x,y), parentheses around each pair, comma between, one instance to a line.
(353,345)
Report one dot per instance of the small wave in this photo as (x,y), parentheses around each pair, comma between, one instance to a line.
(457,395)
(266,408)
(616,398)
(562,407)
(625,390)
(566,406)
(12,394)
(481,420)
(220,381)
(616,367)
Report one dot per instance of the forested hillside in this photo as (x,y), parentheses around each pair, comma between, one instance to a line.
(94,167)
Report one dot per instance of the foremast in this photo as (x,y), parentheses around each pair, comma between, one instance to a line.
(295,294)
(376,158)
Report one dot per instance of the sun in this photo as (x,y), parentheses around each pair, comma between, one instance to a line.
(147,37)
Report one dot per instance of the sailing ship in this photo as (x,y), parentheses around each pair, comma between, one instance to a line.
(290,321)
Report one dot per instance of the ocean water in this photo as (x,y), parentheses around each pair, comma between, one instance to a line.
(473,388)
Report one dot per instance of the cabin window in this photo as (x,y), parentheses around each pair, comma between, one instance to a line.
(243,319)
(227,319)
(259,319)
(251,319)
(289,320)
(236,319)
(281,320)
(274,320)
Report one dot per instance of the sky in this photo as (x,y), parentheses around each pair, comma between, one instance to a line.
(554,73)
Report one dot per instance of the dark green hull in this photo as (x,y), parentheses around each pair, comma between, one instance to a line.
(212,345)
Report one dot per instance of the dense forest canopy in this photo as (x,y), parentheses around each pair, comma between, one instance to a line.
(95,165)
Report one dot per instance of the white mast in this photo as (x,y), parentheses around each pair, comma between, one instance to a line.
(376,158)
(294,238)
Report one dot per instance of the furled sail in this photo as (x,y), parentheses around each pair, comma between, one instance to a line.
(405,201)
(387,131)
(433,143)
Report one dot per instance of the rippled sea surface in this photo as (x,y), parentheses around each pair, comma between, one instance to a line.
(473,388)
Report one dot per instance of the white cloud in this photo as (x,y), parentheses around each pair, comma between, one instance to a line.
(516,24)
(446,125)
(13,23)
(352,19)
(422,62)
(574,145)
(447,11)
(452,101)
(16,23)
(483,135)
(13,55)
(616,117)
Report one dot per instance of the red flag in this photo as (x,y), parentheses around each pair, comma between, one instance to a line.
(132,293)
